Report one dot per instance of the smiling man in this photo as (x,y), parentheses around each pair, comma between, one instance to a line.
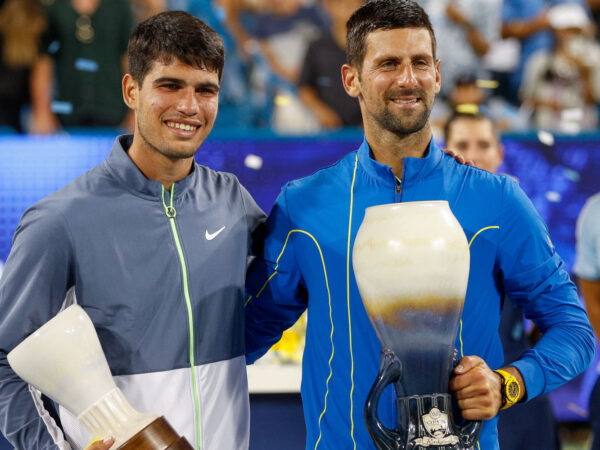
(154,247)
(393,71)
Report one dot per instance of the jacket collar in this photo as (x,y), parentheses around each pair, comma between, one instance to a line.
(415,169)
(121,165)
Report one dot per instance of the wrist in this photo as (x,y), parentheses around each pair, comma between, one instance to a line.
(510,388)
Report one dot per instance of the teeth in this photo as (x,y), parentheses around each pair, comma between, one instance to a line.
(405,102)
(181,126)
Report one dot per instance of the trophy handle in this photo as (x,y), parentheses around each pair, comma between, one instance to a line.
(390,371)
(469,431)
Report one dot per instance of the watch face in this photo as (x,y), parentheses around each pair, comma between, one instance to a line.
(512,390)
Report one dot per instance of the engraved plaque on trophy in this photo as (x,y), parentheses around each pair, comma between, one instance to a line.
(63,359)
(411,263)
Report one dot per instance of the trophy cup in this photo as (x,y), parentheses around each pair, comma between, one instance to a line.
(64,360)
(411,263)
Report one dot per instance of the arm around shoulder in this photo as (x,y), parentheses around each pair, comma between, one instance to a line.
(274,291)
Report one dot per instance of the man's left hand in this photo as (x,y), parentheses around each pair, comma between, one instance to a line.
(458,157)
(477,389)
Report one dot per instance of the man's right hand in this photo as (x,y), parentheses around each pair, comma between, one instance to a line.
(99,444)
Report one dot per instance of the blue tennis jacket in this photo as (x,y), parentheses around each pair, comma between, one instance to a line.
(307,265)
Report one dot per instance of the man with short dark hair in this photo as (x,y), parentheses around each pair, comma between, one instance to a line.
(154,247)
(393,71)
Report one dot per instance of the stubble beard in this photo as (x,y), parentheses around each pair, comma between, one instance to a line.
(165,149)
(403,126)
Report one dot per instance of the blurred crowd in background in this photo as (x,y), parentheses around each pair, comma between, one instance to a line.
(529,64)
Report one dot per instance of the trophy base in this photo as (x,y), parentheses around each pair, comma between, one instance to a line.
(158,435)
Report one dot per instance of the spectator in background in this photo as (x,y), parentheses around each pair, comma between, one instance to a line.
(471,95)
(142,9)
(276,35)
(594,7)
(468,27)
(21,24)
(253,22)
(477,138)
(320,86)
(236,108)
(587,269)
(561,86)
(527,21)
(77,80)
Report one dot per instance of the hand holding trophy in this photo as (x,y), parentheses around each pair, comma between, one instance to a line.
(100,444)
(411,262)
(64,360)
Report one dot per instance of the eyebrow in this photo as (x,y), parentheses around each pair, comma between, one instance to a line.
(394,57)
(181,81)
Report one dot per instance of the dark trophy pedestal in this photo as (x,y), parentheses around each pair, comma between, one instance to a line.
(158,435)
(424,422)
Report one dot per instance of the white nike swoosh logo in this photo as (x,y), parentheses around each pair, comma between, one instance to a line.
(211,236)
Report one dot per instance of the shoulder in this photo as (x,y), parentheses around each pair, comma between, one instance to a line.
(329,175)
(591,210)
(220,186)
(475,174)
(207,175)
(76,193)
(593,203)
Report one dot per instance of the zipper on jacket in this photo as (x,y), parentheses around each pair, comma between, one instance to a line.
(398,189)
(171,213)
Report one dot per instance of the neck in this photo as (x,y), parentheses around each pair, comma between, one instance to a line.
(391,149)
(157,166)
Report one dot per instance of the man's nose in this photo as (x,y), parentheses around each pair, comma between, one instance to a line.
(188,101)
(406,76)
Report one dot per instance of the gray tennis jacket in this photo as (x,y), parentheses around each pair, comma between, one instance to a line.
(160,274)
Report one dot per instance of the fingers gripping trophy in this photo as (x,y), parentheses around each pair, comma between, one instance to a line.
(64,360)
(411,263)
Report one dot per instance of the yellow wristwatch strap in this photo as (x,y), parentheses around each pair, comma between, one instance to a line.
(511,389)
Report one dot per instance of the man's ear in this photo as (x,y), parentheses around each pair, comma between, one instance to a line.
(350,80)
(130,91)
(438,76)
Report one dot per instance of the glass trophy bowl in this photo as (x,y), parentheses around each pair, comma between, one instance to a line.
(64,360)
(411,263)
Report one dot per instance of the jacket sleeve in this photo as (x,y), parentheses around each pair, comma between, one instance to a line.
(534,277)
(32,290)
(276,297)
(255,218)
